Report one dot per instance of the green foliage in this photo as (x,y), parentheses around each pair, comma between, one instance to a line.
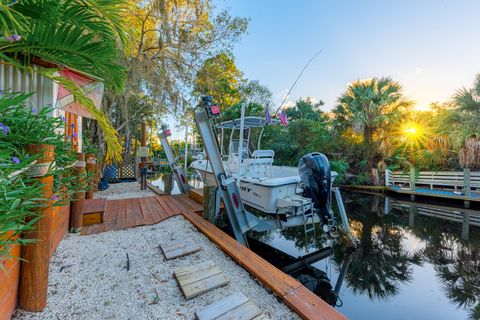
(220,78)
(18,192)
(83,35)
(368,107)
(341,167)
(79,34)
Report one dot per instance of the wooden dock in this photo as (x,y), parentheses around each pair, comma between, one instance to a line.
(127,213)
(463,186)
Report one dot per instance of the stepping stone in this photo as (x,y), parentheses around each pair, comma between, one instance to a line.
(197,279)
(179,248)
(236,306)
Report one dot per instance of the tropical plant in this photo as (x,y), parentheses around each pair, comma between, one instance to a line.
(80,34)
(368,106)
(20,126)
(461,123)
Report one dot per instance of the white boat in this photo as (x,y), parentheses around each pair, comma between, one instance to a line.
(263,186)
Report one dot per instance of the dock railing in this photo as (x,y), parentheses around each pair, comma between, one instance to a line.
(465,180)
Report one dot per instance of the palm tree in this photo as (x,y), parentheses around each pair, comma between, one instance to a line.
(81,34)
(368,106)
(462,124)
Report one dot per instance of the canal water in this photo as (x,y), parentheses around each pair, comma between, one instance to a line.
(411,261)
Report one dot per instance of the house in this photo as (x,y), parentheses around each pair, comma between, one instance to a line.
(49,93)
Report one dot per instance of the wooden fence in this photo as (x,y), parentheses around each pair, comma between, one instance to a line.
(465,180)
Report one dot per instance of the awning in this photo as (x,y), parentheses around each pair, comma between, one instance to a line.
(93,87)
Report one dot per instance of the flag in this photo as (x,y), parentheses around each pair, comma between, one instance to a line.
(283,118)
(268,120)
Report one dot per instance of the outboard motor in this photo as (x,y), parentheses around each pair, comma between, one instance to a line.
(314,171)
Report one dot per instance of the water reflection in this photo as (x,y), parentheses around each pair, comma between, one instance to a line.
(412,260)
(166,182)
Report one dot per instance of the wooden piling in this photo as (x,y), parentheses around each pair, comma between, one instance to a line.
(79,196)
(209,203)
(144,159)
(33,286)
(412,178)
(167,183)
(466,182)
(91,165)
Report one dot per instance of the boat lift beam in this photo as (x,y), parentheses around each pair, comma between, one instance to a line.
(177,170)
(343,213)
(241,220)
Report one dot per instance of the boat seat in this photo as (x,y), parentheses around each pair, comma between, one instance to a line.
(260,164)
(263,156)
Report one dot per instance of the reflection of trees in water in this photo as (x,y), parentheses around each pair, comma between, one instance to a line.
(380,263)
(457,262)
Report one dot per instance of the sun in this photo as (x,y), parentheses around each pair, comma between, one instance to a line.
(413,134)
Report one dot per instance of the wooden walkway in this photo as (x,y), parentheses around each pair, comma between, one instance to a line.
(122,214)
(128,213)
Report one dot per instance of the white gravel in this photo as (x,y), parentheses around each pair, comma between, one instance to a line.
(89,279)
(123,190)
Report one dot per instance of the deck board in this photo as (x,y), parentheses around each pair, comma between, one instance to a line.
(127,213)
(147,211)
(197,279)
(235,306)
(179,248)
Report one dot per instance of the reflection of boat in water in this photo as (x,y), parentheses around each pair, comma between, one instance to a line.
(302,268)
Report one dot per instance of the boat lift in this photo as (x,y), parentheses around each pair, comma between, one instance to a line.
(241,220)
(177,170)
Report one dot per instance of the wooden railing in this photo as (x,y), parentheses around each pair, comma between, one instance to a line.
(464,180)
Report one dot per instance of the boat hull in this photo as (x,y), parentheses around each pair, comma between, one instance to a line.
(257,193)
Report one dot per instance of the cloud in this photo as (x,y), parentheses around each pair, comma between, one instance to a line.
(418,70)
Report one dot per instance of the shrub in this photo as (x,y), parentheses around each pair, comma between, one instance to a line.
(20,126)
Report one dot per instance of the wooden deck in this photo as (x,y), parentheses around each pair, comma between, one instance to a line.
(127,213)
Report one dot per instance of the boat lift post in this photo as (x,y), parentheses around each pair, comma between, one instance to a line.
(177,170)
(240,220)
(343,213)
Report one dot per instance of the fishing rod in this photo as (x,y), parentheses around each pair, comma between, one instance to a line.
(296,80)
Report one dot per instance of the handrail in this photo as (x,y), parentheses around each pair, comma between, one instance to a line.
(464,179)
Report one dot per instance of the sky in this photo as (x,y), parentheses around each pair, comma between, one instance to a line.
(430,46)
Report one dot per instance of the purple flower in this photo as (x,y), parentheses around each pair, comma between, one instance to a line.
(63,119)
(34,110)
(75,135)
(68,137)
(55,197)
(15,160)
(72,125)
(4,129)
(13,38)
